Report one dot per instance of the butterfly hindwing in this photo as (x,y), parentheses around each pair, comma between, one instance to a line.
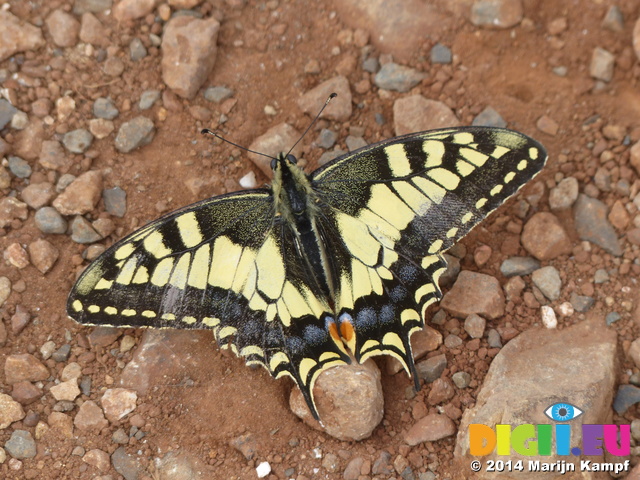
(396,207)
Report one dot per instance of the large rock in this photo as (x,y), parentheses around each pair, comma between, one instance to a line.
(17,36)
(81,196)
(338,109)
(188,53)
(162,357)
(349,401)
(276,140)
(416,114)
(544,237)
(395,26)
(540,368)
(475,293)
(593,225)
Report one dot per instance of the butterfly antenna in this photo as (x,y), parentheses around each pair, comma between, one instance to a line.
(206,131)
(332,96)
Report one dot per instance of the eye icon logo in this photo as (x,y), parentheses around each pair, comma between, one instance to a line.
(563,412)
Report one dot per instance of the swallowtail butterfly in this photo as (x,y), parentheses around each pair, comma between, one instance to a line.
(318,269)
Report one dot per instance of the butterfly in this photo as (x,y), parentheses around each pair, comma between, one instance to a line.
(315,270)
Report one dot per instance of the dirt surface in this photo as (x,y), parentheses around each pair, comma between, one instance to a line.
(263,49)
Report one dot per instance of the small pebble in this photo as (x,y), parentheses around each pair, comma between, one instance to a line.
(441,54)
(602,63)
(612,317)
(77,141)
(137,50)
(19,167)
(148,98)
(218,94)
(49,220)
(489,118)
(105,108)
(549,319)
(461,379)
(248,180)
(263,469)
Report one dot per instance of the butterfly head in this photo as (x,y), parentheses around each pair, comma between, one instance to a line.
(283,160)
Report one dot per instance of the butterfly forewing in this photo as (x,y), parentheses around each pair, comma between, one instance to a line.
(396,207)
(225,264)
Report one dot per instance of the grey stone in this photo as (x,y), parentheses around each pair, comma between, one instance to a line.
(451,272)
(496,13)
(148,98)
(461,379)
(82,231)
(441,54)
(614,19)
(519,266)
(399,78)
(19,167)
(62,354)
(135,133)
(7,111)
(93,6)
(77,141)
(371,64)
(218,94)
(382,464)
(125,464)
(591,223)
(548,281)
(326,157)
(430,369)
(105,108)
(137,50)
(493,338)
(49,220)
(581,303)
(627,396)
(115,201)
(21,445)
(354,143)
(326,138)
(601,276)
(489,118)
(85,385)
(612,317)
(120,437)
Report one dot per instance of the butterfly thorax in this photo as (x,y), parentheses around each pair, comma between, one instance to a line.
(296,205)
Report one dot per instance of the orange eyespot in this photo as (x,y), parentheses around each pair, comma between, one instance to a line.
(333,331)
(346,330)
